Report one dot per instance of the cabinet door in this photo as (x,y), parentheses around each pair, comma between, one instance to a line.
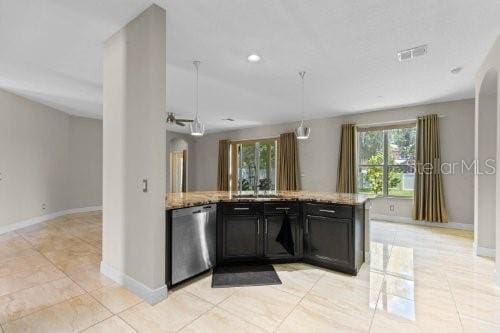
(328,240)
(272,226)
(241,236)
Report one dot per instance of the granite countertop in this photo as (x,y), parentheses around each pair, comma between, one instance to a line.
(190,199)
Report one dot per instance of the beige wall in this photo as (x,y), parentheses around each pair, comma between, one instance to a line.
(319,154)
(85,162)
(37,148)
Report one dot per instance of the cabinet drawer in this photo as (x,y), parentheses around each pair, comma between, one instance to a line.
(281,208)
(242,208)
(329,210)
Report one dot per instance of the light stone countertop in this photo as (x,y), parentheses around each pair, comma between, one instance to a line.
(190,199)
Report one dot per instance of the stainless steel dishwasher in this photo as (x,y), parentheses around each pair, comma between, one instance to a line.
(193,241)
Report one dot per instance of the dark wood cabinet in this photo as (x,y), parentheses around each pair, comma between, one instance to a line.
(272,226)
(241,237)
(328,240)
(329,235)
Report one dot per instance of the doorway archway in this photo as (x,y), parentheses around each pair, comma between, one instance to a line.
(178,160)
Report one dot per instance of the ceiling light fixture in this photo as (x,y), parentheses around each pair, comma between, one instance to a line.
(197,127)
(253,58)
(302,132)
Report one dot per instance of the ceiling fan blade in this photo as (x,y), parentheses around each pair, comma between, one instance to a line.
(185,120)
(177,122)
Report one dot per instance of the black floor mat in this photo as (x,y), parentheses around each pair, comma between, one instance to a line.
(244,275)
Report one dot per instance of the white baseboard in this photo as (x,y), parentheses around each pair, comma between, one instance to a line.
(408,220)
(46,217)
(484,251)
(82,210)
(152,296)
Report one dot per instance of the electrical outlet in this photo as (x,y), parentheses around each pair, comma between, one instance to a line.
(44,206)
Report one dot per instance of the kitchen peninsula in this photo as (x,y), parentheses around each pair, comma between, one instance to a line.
(205,229)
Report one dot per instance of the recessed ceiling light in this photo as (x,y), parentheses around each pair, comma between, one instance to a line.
(254,58)
(456,70)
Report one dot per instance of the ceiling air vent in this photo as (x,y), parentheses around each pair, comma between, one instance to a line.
(412,53)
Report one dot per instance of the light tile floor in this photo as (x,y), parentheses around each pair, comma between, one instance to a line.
(420,279)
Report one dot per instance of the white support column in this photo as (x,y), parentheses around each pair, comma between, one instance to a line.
(134,140)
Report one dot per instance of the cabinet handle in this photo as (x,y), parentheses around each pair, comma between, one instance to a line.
(282,208)
(265,226)
(197,212)
(241,208)
(307,226)
(327,211)
(258,226)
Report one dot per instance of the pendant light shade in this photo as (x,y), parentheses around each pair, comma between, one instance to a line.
(197,127)
(302,132)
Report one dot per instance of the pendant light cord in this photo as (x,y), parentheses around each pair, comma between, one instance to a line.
(302,74)
(196,64)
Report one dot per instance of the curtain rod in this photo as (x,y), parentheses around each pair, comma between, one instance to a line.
(393,122)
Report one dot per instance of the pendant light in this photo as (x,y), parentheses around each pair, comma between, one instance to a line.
(196,126)
(301,132)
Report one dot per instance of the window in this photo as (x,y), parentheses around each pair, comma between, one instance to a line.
(253,165)
(386,159)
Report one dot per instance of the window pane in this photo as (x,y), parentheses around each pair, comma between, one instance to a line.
(401,180)
(246,171)
(256,166)
(371,180)
(402,146)
(267,166)
(371,148)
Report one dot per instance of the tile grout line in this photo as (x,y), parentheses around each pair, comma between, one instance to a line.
(240,318)
(47,282)
(200,315)
(298,303)
(382,286)
(454,302)
(85,292)
(115,315)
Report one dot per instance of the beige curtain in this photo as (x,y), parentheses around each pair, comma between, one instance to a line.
(223,168)
(346,175)
(429,195)
(288,166)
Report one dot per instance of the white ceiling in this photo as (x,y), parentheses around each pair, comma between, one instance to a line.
(51,52)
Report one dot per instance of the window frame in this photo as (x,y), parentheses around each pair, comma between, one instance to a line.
(233,159)
(385,166)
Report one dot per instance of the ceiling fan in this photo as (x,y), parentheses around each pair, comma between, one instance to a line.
(171,119)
